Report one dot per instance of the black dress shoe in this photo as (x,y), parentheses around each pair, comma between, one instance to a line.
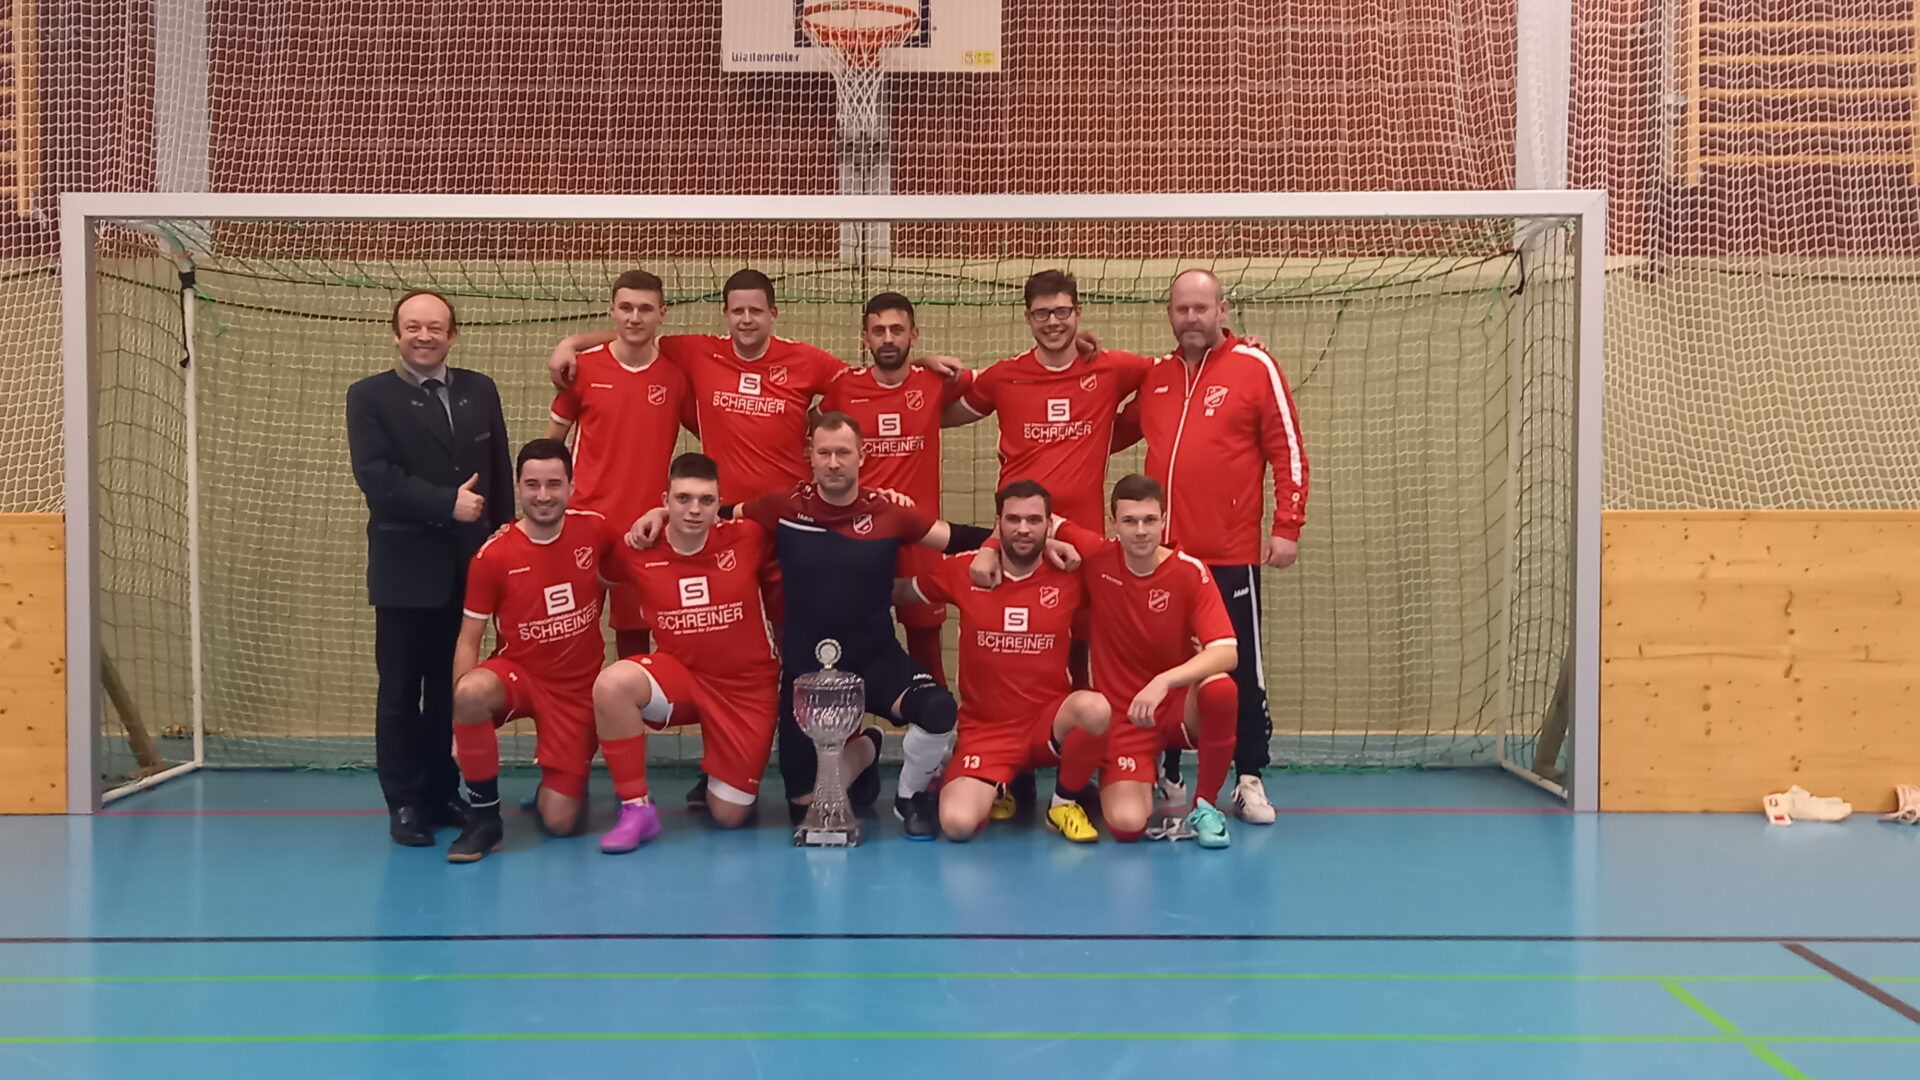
(407,828)
(451,814)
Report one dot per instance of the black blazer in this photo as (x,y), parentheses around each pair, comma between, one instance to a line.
(416,553)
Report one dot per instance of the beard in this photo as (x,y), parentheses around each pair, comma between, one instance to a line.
(889,357)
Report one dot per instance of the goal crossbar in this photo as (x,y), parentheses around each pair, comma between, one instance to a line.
(82,214)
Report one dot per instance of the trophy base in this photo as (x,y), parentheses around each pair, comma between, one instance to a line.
(827,836)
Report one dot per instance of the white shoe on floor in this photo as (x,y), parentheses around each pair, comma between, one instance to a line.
(1250,801)
(1173,796)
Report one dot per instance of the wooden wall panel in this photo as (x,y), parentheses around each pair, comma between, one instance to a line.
(33,665)
(1747,651)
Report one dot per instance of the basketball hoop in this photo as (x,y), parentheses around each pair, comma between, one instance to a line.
(852,34)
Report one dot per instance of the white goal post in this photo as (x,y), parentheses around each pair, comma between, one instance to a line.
(1583,212)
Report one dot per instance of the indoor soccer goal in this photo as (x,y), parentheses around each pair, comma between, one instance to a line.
(1443,347)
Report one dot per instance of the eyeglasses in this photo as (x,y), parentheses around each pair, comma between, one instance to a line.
(1050,314)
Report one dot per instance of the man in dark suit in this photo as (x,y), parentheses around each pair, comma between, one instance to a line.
(429,446)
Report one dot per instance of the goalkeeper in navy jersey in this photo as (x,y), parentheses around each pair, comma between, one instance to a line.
(838,544)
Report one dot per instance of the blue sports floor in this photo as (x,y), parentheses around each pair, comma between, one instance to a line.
(1391,925)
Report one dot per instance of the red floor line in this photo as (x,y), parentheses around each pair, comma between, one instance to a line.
(264,812)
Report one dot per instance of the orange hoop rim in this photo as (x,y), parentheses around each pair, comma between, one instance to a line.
(859,44)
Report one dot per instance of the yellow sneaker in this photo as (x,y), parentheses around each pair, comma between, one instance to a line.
(1002,804)
(1070,821)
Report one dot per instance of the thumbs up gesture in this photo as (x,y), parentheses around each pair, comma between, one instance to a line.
(469,504)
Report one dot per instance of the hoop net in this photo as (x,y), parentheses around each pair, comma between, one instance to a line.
(852,34)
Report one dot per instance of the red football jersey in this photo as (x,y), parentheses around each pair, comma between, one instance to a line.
(1143,626)
(545,598)
(705,608)
(1057,426)
(899,428)
(1013,639)
(628,422)
(753,413)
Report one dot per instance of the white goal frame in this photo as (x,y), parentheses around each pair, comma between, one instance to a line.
(80,214)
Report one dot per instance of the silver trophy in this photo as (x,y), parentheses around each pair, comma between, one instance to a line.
(829,705)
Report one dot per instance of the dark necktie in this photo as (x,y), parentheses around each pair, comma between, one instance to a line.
(438,408)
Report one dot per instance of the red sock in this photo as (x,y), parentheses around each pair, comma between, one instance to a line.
(627,763)
(923,644)
(1080,754)
(1219,719)
(477,749)
(1127,836)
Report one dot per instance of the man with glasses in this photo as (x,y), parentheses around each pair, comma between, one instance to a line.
(1056,413)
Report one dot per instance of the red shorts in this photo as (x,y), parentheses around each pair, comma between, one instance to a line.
(997,752)
(736,717)
(913,562)
(1133,752)
(623,606)
(564,737)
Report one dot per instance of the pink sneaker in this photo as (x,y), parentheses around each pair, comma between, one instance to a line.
(639,823)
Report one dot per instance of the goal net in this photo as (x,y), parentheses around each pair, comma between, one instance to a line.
(1434,360)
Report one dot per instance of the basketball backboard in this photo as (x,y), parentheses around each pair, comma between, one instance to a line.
(947,35)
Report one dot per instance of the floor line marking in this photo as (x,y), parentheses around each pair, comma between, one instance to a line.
(690,935)
(1883,997)
(1334,810)
(1727,1027)
(1008,976)
(1009,1036)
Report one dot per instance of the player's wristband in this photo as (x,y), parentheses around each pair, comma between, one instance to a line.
(964,538)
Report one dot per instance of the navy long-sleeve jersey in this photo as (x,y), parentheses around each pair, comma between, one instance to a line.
(837,569)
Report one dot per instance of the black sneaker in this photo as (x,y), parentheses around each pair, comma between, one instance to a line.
(481,837)
(918,817)
(697,795)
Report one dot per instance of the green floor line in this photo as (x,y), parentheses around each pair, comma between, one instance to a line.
(1009,976)
(948,1036)
(1755,1046)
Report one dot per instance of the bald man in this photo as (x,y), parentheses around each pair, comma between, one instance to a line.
(1217,414)
(429,448)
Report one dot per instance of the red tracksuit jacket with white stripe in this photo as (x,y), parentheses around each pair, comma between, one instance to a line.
(1210,436)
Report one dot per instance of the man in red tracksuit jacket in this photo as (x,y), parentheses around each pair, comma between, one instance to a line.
(1216,413)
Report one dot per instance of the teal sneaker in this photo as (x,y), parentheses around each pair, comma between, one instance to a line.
(1208,825)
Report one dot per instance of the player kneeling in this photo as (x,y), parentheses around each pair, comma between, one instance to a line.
(1162,648)
(1019,709)
(713,662)
(540,579)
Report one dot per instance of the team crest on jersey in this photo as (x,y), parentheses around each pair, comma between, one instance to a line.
(1088,382)
(656,395)
(916,400)
(863,524)
(583,557)
(1049,596)
(1157,599)
(777,375)
(727,560)
(1216,397)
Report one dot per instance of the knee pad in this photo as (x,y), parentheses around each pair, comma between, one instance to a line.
(928,706)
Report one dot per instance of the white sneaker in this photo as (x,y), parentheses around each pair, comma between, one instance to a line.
(1173,795)
(1250,802)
